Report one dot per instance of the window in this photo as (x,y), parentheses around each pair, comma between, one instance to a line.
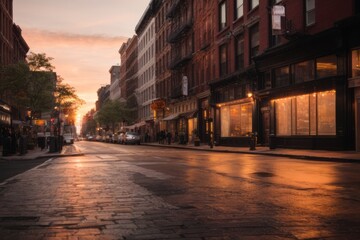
(310,12)
(254,41)
(326,66)
(239,8)
(303,72)
(253,4)
(239,61)
(223,60)
(355,61)
(281,76)
(309,114)
(222,18)
(236,120)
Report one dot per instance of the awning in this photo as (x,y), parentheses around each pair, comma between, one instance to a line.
(171,117)
(136,125)
(189,115)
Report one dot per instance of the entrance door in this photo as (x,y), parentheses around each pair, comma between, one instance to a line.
(265,112)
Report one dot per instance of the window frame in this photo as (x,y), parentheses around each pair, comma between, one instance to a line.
(310,12)
(253,4)
(223,55)
(238,6)
(222,15)
(239,44)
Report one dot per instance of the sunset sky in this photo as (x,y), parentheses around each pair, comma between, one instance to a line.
(83,37)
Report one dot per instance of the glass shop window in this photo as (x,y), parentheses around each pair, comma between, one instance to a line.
(304,71)
(236,120)
(326,66)
(355,62)
(282,77)
(309,114)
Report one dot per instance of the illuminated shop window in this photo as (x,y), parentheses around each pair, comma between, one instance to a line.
(355,60)
(309,114)
(236,120)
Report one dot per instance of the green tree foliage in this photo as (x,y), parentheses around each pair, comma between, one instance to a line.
(40,62)
(28,89)
(111,113)
(34,85)
(89,127)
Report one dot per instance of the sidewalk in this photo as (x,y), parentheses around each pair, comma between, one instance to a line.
(68,150)
(340,156)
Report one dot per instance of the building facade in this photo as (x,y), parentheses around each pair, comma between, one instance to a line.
(308,87)
(13,49)
(162,72)
(115,90)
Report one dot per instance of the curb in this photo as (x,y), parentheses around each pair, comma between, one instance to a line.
(301,157)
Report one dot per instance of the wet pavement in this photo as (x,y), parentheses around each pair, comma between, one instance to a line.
(141,192)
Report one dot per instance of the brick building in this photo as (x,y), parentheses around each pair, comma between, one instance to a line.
(308,82)
(162,72)
(13,49)
(129,73)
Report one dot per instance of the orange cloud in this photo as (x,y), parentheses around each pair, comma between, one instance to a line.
(82,60)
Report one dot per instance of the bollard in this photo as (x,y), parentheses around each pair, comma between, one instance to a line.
(252,142)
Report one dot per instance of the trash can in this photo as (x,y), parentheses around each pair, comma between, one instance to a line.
(6,146)
(22,145)
(41,142)
(52,144)
(252,141)
(272,144)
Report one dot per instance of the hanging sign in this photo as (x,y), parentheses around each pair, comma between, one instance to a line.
(185,86)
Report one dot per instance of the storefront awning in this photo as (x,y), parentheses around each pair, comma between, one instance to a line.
(136,125)
(171,117)
(189,115)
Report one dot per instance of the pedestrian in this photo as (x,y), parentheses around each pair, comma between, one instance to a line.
(169,136)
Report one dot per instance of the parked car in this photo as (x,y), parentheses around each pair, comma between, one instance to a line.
(131,138)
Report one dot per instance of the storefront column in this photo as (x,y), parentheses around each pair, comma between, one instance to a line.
(357,118)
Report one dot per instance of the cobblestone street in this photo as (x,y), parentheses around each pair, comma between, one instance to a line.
(130,192)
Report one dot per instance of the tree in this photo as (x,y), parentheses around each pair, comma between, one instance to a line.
(34,85)
(111,113)
(40,62)
(28,89)
(67,99)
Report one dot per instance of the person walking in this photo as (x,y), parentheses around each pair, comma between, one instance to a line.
(169,136)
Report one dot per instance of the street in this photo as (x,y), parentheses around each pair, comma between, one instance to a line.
(141,192)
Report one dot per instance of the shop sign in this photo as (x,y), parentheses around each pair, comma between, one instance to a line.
(278,11)
(39,122)
(185,86)
(158,104)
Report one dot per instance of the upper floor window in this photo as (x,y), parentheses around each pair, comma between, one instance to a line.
(254,40)
(310,12)
(222,16)
(239,52)
(239,8)
(223,60)
(253,4)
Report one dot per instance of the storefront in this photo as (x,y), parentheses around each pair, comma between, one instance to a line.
(354,83)
(5,114)
(236,122)
(235,109)
(303,95)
